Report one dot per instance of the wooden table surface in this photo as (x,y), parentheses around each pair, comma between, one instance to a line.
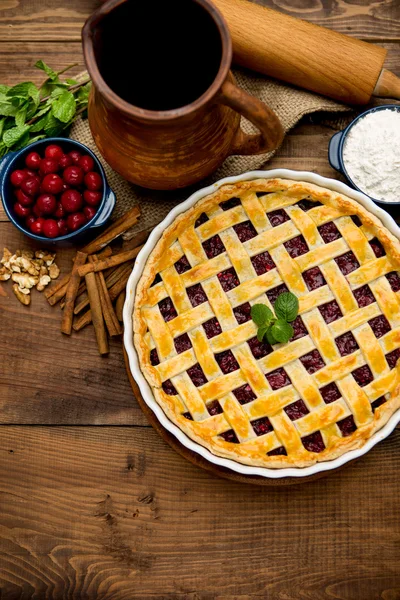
(93,504)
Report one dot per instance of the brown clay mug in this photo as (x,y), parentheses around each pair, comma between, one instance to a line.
(164,109)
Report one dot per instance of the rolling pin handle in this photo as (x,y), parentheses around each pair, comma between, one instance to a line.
(333,152)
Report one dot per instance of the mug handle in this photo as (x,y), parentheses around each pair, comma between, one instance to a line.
(271,131)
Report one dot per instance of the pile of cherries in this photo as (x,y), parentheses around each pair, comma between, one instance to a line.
(58,193)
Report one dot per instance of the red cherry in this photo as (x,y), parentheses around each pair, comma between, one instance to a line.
(50,228)
(62,226)
(92,198)
(89,212)
(48,165)
(29,220)
(33,160)
(93,181)
(53,151)
(65,161)
(47,204)
(30,173)
(37,226)
(60,211)
(23,198)
(76,221)
(31,186)
(73,175)
(52,184)
(86,163)
(71,201)
(21,211)
(17,177)
(36,211)
(75,156)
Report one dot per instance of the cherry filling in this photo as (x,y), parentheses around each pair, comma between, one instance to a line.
(201,219)
(307,204)
(262,263)
(245,231)
(169,388)
(259,349)
(167,309)
(377,247)
(314,278)
(379,325)
(182,343)
(212,328)
(364,296)
(296,410)
(276,291)
(262,426)
(330,311)
(227,362)
(154,360)
(363,375)
(312,361)
(231,203)
(228,279)
(156,279)
(356,220)
(393,357)
(347,426)
(214,408)
(242,313)
(394,281)
(277,217)
(196,294)
(187,416)
(329,232)
(296,246)
(346,343)
(244,394)
(281,451)
(347,262)
(229,436)
(278,379)
(313,442)
(196,374)
(378,402)
(298,328)
(330,393)
(213,246)
(182,265)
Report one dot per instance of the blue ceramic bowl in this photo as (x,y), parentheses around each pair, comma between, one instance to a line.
(335,154)
(16,160)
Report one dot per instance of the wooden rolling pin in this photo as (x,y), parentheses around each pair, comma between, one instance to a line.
(307,55)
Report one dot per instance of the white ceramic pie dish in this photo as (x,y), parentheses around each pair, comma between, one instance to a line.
(145,389)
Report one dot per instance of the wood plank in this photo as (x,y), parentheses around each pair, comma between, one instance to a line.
(47,377)
(114,514)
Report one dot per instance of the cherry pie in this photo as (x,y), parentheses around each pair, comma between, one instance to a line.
(333,384)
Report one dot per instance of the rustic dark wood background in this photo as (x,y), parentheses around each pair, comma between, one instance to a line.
(93,504)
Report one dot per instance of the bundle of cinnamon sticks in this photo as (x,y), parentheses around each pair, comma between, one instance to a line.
(97,283)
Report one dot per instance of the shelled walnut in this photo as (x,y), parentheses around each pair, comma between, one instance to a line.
(27,270)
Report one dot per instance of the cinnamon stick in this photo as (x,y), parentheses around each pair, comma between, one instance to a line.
(110,318)
(112,261)
(116,229)
(119,305)
(97,315)
(70,295)
(111,278)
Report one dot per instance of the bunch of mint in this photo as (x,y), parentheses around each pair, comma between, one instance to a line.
(29,113)
(276,328)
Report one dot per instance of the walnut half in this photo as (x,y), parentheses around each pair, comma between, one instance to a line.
(23,298)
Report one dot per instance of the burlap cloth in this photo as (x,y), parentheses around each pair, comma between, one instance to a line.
(289,103)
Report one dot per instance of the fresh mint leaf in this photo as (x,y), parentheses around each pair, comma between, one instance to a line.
(282,331)
(64,107)
(2,121)
(7,109)
(261,314)
(24,141)
(40,64)
(39,124)
(25,90)
(71,81)
(261,332)
(270,337)
(4,89)
(20,117)
(286,306)
(13,135)
(53,126)
(36,138)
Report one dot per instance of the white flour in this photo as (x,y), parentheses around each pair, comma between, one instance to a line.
(371,155)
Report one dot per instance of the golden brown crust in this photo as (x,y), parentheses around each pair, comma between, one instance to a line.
(162,257)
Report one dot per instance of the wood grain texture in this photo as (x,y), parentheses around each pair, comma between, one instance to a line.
(113,514)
